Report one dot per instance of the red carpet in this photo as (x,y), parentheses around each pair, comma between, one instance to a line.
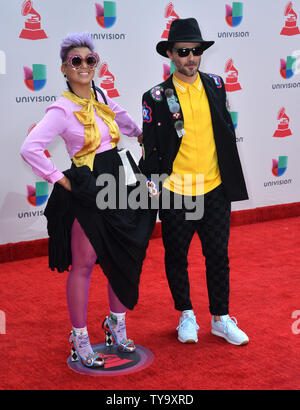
(265,283)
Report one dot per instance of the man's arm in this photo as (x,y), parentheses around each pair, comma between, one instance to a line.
(149,163)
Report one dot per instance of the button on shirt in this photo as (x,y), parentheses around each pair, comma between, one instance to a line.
(195,168)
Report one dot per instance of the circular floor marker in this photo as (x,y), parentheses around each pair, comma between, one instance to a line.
(116,362)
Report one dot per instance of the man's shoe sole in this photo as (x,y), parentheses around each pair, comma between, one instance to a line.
(190,341)
(216,333)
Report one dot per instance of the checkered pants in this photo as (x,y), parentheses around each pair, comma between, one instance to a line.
(213,231)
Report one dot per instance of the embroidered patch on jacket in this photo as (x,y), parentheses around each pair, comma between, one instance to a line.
(157,93)
(152,188)
(147,113)
(217,80)
(172,101)
(176,115)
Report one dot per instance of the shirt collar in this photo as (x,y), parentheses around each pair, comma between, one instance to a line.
(183,86)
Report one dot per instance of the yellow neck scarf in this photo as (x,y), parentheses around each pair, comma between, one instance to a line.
(92,137)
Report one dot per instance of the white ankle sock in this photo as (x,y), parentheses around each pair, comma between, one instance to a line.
(83,345)
(119,316)
(118,319)
(80,330)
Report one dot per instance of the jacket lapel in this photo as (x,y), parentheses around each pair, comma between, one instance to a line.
(213,97)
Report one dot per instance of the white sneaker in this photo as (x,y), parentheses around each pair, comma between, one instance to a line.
(188,328)
(227,328)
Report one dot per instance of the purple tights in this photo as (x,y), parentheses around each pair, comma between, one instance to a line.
(78,282)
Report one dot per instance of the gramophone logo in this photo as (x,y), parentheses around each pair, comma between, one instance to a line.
(35,78)
(171,16)
(279,166)
(231,82)
(106,15)
(290,21)
(234,13)
(283,124)
(108,81)
(288,67)
(37,195)
(32,30)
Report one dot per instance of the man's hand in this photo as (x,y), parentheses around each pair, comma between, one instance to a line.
(140,139)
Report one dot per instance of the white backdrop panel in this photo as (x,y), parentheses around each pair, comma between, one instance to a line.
(255,47)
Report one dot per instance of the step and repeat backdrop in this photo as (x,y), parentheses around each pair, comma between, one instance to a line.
(256,51)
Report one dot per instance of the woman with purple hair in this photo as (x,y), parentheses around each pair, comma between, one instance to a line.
(81,233)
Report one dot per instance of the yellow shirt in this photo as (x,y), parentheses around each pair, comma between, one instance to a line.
(195,168)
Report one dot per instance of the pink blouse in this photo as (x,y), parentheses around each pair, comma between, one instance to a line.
(60,120)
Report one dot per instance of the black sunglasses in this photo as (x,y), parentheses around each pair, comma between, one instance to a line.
(185,51)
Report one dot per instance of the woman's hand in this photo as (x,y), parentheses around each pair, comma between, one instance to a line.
(65,182)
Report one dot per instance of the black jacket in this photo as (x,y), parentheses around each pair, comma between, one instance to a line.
(161,142)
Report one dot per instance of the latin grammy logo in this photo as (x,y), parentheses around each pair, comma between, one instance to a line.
(283,121)
(114,361)
(32,30)
(290,26)
(108,82)
(169,14)
(231,82)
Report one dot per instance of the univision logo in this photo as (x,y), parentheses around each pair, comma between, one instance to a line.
(106,15)
(279,166)
(234,13)
(288,67)
(234,117)
(233,114)
(234,17)
(37,195)
(35,78)
(168,69)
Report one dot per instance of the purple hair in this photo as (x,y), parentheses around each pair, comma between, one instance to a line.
(76,40)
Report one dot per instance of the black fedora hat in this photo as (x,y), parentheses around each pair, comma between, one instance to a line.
(183,30)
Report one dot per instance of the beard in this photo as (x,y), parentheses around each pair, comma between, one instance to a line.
(189,69)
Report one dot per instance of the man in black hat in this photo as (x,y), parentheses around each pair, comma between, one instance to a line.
(190,154)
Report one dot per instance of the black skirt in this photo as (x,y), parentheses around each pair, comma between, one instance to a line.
(118,234)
